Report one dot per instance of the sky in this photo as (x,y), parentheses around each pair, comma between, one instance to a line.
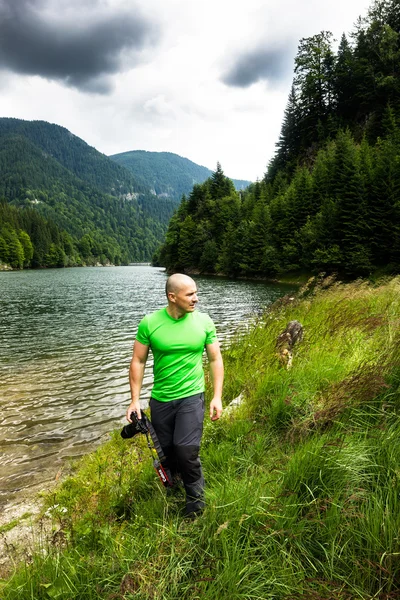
(205,79)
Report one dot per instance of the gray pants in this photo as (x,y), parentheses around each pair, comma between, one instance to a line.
(179,427)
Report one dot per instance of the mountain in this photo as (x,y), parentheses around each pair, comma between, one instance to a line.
(74,154)
(83,193)
(166,174)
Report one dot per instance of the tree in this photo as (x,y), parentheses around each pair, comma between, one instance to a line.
(188,253)
(55,257)
(288,145)
(209,257)
(219,185)
(303,197)
(377,72)
(343,83)
(3,249)
(313,69)
(384,203)
(227,262)
(85,246)
(352,220)
(27,247)
(15,252)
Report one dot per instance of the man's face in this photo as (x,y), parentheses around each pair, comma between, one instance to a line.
(186,298)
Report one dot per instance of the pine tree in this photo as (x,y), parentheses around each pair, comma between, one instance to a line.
(343,83)
(303,205)
(322,185)
(384,213)
(188,253)
(313,67)
(288,145)
(219,185)
(259,240)
(209,257)
(353,231)
(227,260)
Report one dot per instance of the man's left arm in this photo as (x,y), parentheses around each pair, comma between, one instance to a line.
(217,377)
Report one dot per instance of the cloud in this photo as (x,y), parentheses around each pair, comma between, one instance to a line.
(174,99)
(81,47)
(159,107)
(261,64)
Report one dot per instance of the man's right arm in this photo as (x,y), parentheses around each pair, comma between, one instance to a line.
(136,372)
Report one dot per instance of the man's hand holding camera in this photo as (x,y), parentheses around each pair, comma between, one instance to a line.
(134,407)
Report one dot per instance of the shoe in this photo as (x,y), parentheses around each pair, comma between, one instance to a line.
(177,480)
(193,509)
(176,490)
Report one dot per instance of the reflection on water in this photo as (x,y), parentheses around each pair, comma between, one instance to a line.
(65,345)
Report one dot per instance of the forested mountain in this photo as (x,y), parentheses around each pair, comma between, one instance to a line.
(74,154)
(330,199)
(93,208)
(165,173)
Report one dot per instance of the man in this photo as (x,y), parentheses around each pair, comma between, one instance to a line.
(177,336)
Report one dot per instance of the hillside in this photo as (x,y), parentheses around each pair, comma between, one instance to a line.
(330,198)
(106,215)
(73,153)
(167,174)
(303,481)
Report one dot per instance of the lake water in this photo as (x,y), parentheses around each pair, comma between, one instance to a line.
(66,340)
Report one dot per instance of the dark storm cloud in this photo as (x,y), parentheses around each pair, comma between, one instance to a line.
(83,49)
(267,64)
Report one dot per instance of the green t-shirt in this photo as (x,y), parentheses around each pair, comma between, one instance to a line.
(177,346)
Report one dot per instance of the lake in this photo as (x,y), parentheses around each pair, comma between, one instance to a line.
(66,339)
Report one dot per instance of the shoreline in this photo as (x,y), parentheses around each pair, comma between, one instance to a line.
(13,499)
(22,524)
(307,438)
(5,268)
(290,278)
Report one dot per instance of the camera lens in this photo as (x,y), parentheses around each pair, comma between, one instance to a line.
(129,431)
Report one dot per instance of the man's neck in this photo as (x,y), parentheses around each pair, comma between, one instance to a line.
(175,312)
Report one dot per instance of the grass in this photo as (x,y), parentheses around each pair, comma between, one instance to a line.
(303,479)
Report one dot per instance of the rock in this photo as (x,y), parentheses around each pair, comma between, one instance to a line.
(4,267)
(286,341)
(234,403)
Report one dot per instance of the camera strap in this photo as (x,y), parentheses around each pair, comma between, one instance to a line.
(154,438)
(163,473)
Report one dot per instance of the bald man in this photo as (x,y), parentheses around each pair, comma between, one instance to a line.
(177,336)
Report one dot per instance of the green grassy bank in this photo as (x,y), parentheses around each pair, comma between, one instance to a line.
(303,479)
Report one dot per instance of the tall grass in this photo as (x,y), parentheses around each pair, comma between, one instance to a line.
(303,479)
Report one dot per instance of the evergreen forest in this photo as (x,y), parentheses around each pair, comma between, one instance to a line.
(63,203)
(330,199)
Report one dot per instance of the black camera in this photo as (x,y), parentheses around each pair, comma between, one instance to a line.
(143,425)
(137,426)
